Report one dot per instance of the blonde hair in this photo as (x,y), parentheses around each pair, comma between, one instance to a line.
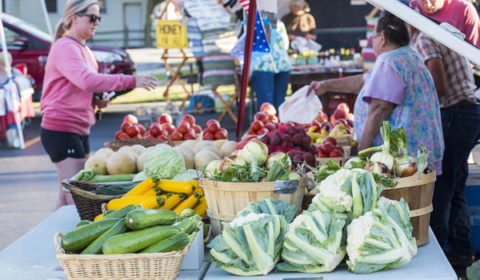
(71,8)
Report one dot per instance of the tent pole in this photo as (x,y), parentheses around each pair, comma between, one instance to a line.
(252,11)
(47,18)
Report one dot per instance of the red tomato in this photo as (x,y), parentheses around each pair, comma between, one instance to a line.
(222,133)
(344,107)
(189,118)
(132,131)
(168,127)
(165,118)
(197,128)
(335,153)
(149,136)
(155,129)
(183,127)
(141,129)
(270,126)
(330,140)
(274,119)
(322,155)
(177,136)
(212,121)
(190,135)
(325,148)
(125,125)
(163,135)
(123,136)
(261,116)
(262,131)
(213,127)
(208,136)
(119,134)
(268,109)
(256,125)
(131,119)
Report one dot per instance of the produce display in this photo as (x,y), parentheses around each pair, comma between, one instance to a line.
(133,229)
(130,128)
(214,131)
(162,129)
(264,121)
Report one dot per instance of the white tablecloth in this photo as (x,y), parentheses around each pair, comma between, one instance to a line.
(32,256)
(429,263)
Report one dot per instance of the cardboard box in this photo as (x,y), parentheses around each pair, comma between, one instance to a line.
(194,258)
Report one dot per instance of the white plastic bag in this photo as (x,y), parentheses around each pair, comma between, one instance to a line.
(300,108)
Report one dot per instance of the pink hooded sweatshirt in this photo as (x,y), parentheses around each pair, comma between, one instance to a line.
(70,80)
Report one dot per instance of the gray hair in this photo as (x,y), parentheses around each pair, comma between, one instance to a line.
(71,8)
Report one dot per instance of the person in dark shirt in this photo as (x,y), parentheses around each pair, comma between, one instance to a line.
(299,22)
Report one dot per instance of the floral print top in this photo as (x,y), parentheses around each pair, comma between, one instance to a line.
(277,60)
(417,109)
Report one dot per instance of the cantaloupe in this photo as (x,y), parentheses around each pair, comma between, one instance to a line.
(122,162)
(104,152)
(97,162)
(138,149)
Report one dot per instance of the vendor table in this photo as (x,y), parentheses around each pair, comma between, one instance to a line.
(32,256)
(429,263)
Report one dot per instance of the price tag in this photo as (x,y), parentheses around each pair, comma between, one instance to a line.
(171,34)
(286,187)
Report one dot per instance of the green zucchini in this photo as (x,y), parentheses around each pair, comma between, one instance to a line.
(134,241)
(189,225)
(78,239)
(143,218)
(115,189)
(122,212)
(173,243)
(96,246)
(83,223)
(111,178)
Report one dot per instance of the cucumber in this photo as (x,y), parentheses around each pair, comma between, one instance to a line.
(134,241)
(83,223)
(189,225)
(143,218)
(173,243)
(122,212)
(96,246)
(115,189)
(111,178)
(80,238)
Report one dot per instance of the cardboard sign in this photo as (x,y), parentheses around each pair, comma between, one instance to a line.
(171,34)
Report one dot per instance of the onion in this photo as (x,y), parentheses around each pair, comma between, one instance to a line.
(406,166)
(379,168)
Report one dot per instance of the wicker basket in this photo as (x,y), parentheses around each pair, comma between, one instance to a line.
(226,199)
(88,204)
(125,266)
(117,144)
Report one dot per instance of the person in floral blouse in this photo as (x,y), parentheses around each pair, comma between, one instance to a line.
(398,89)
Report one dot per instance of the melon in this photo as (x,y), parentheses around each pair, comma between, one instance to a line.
(122,162)
(98,163)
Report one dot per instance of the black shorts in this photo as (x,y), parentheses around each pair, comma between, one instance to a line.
(61,145)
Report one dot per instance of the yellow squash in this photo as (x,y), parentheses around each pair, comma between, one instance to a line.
(199,190)
(201,208)
(187,203)
(172,200)
(141,188)
(153,202)
(177,186)
(119,203)
(98,217)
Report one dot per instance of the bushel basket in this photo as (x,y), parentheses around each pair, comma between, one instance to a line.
(226,199)
(418,194)
(88,204)
(164,266)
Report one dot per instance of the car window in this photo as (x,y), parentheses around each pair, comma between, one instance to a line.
(10,36)
(33,43)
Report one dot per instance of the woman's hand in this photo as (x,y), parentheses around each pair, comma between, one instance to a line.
(318,87)
(146,82)
(101,103)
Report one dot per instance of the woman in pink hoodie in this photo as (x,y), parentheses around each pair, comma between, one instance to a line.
(71,78)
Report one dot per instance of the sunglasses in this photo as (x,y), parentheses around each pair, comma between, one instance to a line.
(373,37)
(93,18)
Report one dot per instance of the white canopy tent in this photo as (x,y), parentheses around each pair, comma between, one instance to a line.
(430,28)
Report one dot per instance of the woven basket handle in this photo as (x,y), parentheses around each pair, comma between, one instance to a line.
(58,247)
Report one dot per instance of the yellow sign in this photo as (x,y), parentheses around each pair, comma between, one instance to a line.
(171,34)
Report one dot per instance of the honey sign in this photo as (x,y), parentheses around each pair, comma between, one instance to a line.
(171,34)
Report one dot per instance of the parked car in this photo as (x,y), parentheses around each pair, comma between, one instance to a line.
(29,46)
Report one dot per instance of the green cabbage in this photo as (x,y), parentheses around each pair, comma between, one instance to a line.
(164,163)
(189,174)
(270,206)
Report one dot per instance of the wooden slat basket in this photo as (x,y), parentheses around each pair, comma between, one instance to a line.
(161,266)
(418,194)
(226,199)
